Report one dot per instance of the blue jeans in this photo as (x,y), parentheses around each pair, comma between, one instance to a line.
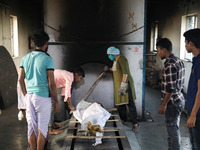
(195,134)
(172,119)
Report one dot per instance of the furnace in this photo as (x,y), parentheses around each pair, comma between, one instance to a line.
(8,79)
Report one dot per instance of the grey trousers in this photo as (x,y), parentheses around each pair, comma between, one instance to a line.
(172,119)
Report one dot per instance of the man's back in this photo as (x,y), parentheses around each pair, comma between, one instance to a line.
(62,77)
(35,65)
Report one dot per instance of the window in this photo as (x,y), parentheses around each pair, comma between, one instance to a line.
(188,22)
(14,36)
(154,35)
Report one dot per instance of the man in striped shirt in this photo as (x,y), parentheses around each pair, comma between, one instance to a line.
(172,99)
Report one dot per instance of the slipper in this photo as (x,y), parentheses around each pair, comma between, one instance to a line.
(136,127)
(55,132)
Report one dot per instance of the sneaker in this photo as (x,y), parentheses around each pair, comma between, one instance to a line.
(136,127)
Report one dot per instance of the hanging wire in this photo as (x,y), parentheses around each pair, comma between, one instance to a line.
(51,27)
(117,37)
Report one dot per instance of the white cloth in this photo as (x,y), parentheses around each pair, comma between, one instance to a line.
(20,115)
(94,113)
(114,68)
(21,98)
(38,112)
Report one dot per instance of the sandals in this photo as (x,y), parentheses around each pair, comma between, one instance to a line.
(136,127)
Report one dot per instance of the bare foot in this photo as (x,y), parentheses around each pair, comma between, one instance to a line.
(56,126)
(55,131)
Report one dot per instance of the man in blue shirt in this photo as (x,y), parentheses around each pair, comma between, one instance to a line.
(38,69)
(173,101)
(192,44)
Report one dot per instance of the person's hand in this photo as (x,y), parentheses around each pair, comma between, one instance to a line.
(191,121)
(123,87)
(72,108)
(106,68)
(56,107)
(23,110)
(162,109)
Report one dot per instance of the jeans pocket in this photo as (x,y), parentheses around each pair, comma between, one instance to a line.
(173,113)
(179,105)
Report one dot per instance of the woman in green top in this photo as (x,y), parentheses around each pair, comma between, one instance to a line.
(124,91)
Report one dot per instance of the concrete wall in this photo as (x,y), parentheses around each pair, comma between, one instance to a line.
(81,31)
(169,22)
(29,19)
(132,20)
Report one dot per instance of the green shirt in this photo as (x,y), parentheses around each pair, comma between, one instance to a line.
(35,65)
